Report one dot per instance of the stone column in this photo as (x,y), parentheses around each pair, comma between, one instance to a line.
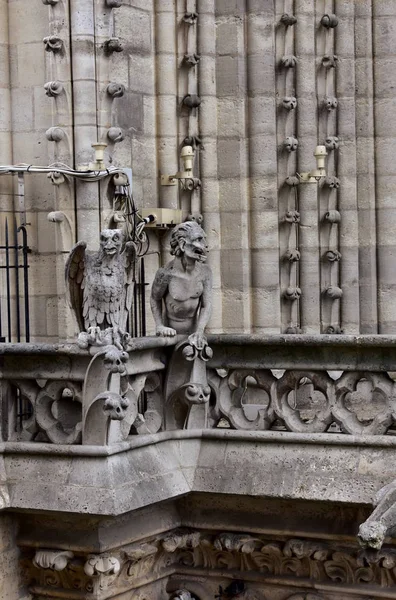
(346,166)
(384,52)
(364,106)
(208,155)
(166,91)
(233,165)
(262,167)
(85,115)
(308,193)
(6,198)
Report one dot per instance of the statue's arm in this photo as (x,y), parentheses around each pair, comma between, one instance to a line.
(158,291)
(206,302)
(198,338)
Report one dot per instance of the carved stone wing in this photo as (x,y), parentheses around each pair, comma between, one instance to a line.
(74,274)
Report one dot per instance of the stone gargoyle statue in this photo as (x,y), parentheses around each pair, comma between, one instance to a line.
(181,296)
(181,303)
(100,289)
(382,521)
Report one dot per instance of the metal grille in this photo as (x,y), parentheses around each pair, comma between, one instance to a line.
(14,276)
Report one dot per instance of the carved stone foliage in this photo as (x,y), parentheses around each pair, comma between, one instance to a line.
(308,560)
(306,402)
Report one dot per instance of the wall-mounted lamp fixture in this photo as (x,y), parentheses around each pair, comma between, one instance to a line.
(98,165)
(316,174)
(186,178)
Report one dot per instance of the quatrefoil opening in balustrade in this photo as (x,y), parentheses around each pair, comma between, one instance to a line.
(251,397)
(58,412)
(303,401)
(245,399)
(364,403)
(306,400)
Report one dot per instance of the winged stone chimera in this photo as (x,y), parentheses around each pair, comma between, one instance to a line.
(100,289)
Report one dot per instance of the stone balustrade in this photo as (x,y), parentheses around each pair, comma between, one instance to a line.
(61,394)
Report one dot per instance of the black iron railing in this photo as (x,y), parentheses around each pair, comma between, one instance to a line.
(14,298)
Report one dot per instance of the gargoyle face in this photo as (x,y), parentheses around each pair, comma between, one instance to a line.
(111,241)
(195,246)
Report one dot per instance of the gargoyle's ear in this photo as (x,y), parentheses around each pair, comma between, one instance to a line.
(182,243)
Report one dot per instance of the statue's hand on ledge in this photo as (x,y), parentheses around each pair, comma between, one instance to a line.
(198,340)
(163,331)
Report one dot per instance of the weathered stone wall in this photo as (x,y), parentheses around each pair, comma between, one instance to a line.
(343,83)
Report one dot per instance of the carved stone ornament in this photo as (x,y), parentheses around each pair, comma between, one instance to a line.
(329,61)
(53,43)
(333,216)
(188,184)
(329,21)
(56,177)
(289,102)
(292,293)
(332,142)
(292,181)
(113,3)
(330,103)
(100,291)
(289,62)
(291,144)
(113,44)
(56,560)
(53,88)
(50,2)
(334,292)
(192,140)
(292,216)
(192,101)
(102,564)
(292,255)
(190,60)
(333,255)
(288,20)
(332,182)
(115,134)
(55,134)
(190,18)
(334,330)
(115,90)
(309,562)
